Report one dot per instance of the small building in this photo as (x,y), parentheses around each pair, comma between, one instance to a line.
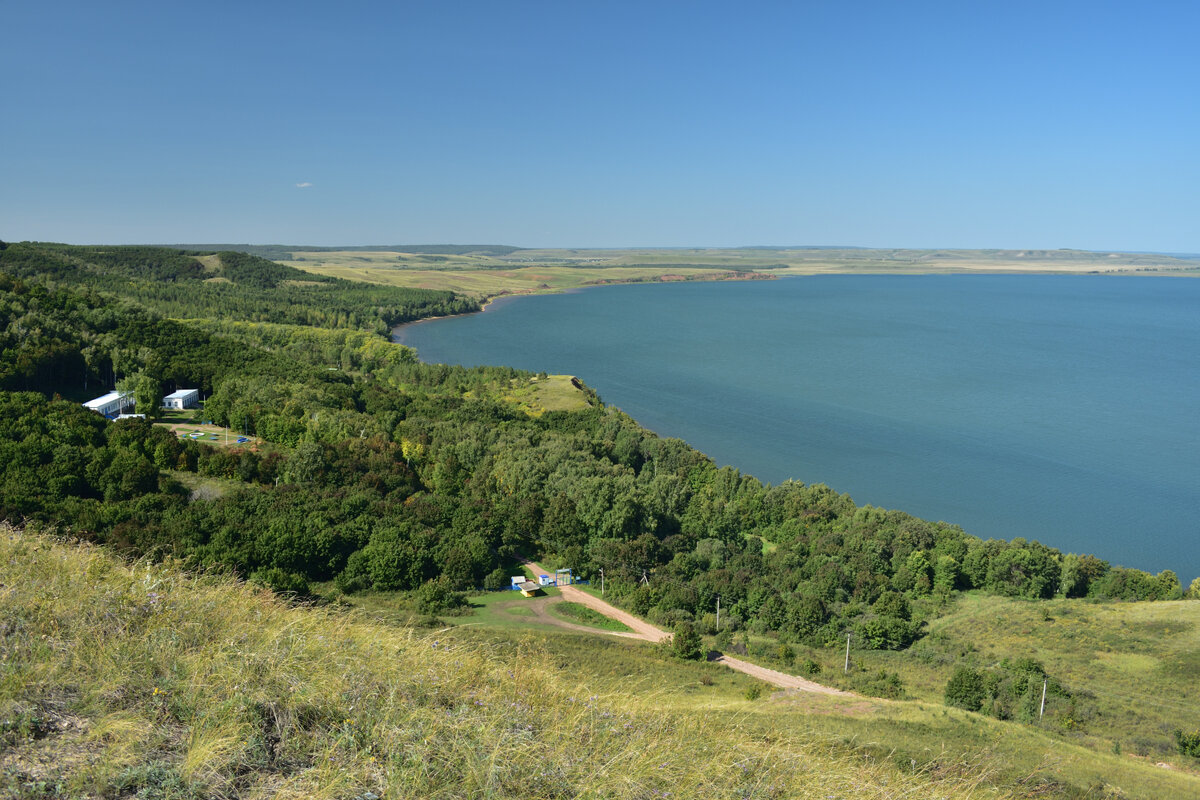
(545,580)
(517,580)
(111,404)
(181,399)
(529,588)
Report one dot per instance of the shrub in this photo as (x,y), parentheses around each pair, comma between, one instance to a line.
(280,580)
(438,596)
(809,667)
(496,580)
(881,684)
(966,689)
(1188,743)
(686,642)
(888,633)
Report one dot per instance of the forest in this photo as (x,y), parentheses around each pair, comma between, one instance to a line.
(385,473)
(228,285)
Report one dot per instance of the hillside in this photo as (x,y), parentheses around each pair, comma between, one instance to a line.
(226,285)
(139,681)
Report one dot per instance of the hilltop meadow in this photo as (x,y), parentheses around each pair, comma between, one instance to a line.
(385,500)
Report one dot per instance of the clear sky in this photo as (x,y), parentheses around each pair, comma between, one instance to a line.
(606,123)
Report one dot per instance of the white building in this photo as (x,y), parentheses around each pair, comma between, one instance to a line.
(111,404)
(181,399)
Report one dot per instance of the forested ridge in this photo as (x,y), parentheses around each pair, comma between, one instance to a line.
(386,473)
(228,285)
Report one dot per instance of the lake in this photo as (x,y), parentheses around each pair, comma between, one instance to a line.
(1059,408)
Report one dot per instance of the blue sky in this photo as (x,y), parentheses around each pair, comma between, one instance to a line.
(588,124)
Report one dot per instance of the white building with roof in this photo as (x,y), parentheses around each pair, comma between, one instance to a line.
(182,398)
(111,404)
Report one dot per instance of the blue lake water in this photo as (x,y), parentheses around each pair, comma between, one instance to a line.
(1059,408)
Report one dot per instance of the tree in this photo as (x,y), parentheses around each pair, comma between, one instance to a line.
(146,391)
(686,642)
(966,689)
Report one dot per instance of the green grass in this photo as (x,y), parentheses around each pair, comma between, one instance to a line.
(1133,663)
(192,419)
(915,736)
(126,680)
(537,395)
(1135,645)
(582,615)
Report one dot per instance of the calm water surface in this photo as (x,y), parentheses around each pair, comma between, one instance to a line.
(1059,408)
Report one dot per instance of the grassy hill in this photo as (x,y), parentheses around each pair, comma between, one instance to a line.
(138,680)
(122,680)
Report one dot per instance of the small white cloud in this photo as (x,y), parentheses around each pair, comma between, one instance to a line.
(303,185)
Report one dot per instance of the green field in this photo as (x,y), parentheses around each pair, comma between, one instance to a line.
(525,271)
(544,393)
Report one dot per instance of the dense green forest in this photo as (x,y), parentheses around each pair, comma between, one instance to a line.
(284,252)
(386,473)
(228,285)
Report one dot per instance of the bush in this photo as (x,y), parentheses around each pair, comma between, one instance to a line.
(881,684)
(496,580)
(809,667)
(754,691)
(438,596)
(966,689)
(1188,743)
(888,633)
(280,581)
(686,642)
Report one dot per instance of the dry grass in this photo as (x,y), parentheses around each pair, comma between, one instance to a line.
(121,680)
(557,270)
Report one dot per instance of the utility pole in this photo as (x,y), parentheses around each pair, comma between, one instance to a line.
(602,581)
(1042,712)
(718,612)
(847,668)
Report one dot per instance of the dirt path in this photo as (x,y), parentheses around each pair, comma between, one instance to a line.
(780,679)
(641,629)
(647,632)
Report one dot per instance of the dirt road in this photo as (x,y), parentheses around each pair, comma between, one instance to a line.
(644,630)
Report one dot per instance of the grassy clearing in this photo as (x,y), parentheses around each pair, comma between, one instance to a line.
(192,420)
(539,394)
(582,615)
(136,680)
